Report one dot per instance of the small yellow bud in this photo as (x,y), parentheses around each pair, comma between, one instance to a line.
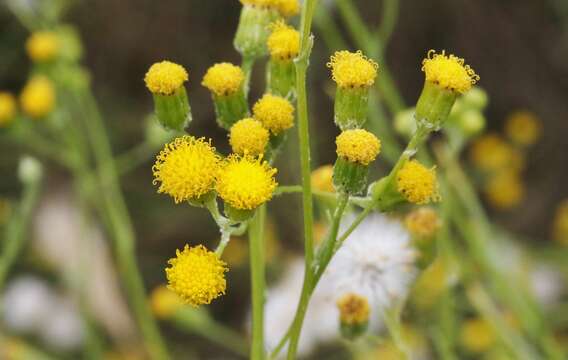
(350,70)
(523,128)
(248,136)
(7,108)
(274,112)
(505,189)
(289,8)
(358,146)
(224,79)
(422,223)
(42,46)
(165,302)
(417,183)
(449,72)
(38,97)
(353,309)
(491,152)
(322,178)
(197,275)
(165,77)
(477,335)
(284,42)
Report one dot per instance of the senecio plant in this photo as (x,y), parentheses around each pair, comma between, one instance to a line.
(193,172)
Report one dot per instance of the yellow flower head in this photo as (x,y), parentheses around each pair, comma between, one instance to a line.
(274,112)
(477,335)
(351,70)
(7,108)
(197,275)
(248,136)
(505,189)
(165,77)
(38,97)
(42,46)
(284,42)
(449,71)
(417,183)
(322,178)
(186,168)
(289,8)
(491,152)
(246,182)
(223,79)
(523,128)
(164,302)
(269,4)
(353,309)
(358,146)
(560,224)
(422,222)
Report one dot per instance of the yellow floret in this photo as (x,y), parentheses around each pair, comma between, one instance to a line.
(289,8)
(197,275)
(284,42)
(350,70)
(505,189)
(523,128)
(7,108)
(165,302)
(560,224)
(246,182)
(353,309)
(165,78)
(223,79)
(449,71)
(358,145)
(423,222)
(417,183)
(274,112)
(186,168)
(322,178)
(248,136)
(38,97)
(477,335)
(491,152)
(42,46)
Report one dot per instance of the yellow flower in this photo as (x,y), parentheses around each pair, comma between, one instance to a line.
(164,302)
(246,182)
(477,335)
(353,309)
(423,222)
(560,224)
(432,283)
(186,168)
(322,179)
(505,189)
(289,8)
(223,79)
(7,108)
(351,70)
(272,4)
(42,46)
(274,112)
(523,128)
(449,71)
(165,77)
(284,42)
(38,97)
(197,275)
(248,136)
(358,146)
(491,152)
(417,183)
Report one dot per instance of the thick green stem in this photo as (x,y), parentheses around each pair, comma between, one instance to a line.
(256,251)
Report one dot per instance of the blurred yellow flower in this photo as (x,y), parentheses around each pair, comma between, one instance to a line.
(422,223)
(38,97)
(490,152)
(505,189)
(42,46)
(322,178)
(523,128)
(164,302)
(353,309)
(477,335)
(560,224)
(7,108)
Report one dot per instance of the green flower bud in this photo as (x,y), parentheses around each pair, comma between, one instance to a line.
(434,105)
(253,30)
(351,107)
(349,177)
(281,78)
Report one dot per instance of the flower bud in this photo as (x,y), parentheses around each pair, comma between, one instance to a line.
(471,122)
(354,74)
(284,46)
(356,149)
(165,81)
(446,77)
(7,108)
(38,97)
(254,27)
(29,169)
(226,81)
(354,314)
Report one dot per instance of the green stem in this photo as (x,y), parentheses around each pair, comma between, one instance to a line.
(134,157)
(120,225)
(256,251)
(390,12)
(16,231)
